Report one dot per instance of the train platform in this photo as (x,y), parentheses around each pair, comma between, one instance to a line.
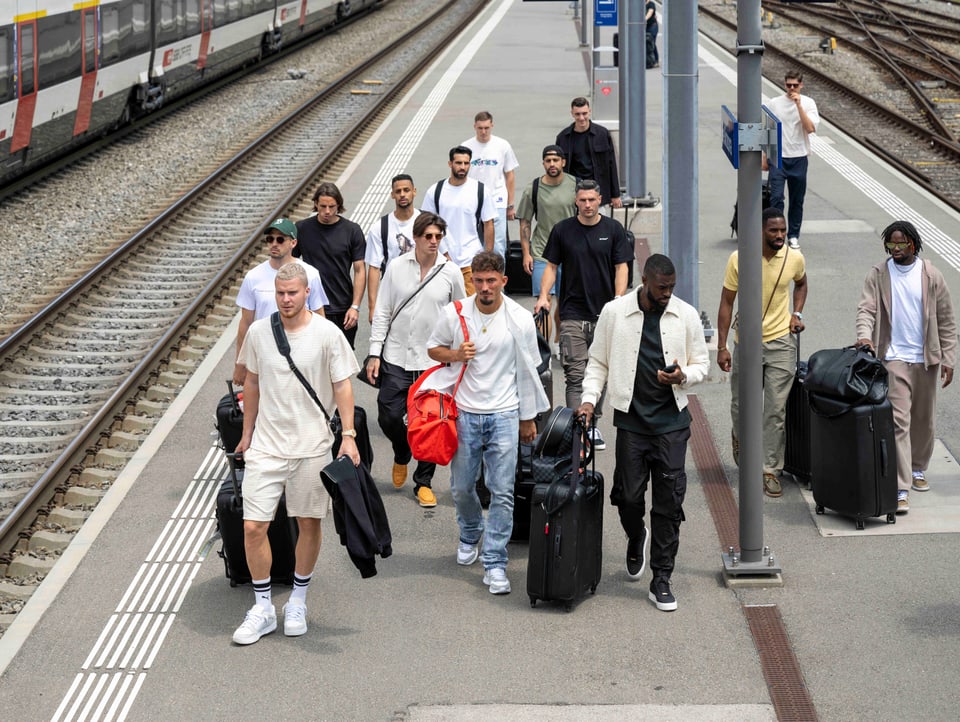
(136,621)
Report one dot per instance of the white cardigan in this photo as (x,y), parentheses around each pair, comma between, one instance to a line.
(616,345)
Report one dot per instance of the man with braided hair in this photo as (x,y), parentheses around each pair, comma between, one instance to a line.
(905,316)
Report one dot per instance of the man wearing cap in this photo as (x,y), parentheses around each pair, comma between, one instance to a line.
(258,295)
(549,199)
(335,246)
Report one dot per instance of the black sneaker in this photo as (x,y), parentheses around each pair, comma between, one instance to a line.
(661,595)
(637,555)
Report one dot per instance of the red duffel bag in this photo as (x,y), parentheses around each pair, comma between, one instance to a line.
(432,415)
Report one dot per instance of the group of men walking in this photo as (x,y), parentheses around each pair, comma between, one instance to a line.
(435,280)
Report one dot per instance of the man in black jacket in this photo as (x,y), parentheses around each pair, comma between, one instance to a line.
(589,151)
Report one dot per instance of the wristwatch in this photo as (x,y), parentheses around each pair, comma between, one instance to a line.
(354,307)
(798,315)
(349,432)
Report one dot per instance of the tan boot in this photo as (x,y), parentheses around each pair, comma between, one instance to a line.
(399,475)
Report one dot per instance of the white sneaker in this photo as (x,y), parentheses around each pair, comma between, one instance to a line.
(258,622)
(294,619)
(467,554)
(597,439)
(794,243)
(496,579)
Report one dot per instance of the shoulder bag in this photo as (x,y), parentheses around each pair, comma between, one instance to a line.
(432,414)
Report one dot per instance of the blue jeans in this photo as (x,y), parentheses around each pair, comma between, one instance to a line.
(794,175)
(490,439)
(500,232)
(538,268)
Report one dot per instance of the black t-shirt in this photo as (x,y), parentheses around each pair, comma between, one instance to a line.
(652,21)
(332,250)
(589,255)
(581,162)
(653,409)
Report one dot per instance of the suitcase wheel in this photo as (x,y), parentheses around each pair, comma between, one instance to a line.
(859,523)
(593,589)
(533,601)
(891,519)
(568,607)
(819,508)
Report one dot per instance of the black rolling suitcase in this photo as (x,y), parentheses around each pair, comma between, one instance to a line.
(853,467)
(282,533)
(229,421)
(522,493)
(566,533)
(796,459)
(519,282)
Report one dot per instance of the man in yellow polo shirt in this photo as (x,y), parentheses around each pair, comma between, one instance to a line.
(781,265)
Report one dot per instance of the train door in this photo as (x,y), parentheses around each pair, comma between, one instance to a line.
(88,80)
(26,63)
(206,25)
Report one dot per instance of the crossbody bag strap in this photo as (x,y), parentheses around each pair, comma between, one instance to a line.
(283,346)
(458,307)
(774,291)
(410,298)
(384,231)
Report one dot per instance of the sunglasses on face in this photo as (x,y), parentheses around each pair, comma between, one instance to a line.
(792,85)
(897,245)
(433,236)
(273,239)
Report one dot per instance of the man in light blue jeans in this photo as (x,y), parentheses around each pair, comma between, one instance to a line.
(494,341)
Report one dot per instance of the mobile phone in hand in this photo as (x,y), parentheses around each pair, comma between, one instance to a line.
(669,369)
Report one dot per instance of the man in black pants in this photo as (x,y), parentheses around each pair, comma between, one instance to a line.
(332,244)
(430,282)
(649,349)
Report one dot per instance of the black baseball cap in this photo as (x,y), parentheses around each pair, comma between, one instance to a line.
(554,150)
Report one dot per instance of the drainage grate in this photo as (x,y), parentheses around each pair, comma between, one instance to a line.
(723,508)
(788,691)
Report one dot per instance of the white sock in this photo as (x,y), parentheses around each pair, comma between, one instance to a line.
(262,593)
(300,584)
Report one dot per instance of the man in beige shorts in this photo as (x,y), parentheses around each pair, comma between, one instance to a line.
(287,441)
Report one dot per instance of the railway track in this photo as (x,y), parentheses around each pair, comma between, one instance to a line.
(82,381)
(909,124)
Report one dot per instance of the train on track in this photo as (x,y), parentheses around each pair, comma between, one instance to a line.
(73,70)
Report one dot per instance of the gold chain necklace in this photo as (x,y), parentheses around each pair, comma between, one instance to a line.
(493,317)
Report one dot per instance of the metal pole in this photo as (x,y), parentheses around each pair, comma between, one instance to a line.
(680,156)
(633,98)
(749,235)
(583,22)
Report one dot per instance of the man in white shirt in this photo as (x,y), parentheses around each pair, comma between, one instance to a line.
(467,207)
(381,249)
(799,119)
(493,164)
(497,402)
(287,441)
(258,295)
(416,286)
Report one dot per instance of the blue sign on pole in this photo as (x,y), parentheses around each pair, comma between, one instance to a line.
(730,135)
(605,13)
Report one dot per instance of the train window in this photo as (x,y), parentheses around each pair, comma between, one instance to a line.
(6,64)
(192,15)
(233,10)
(110,33)
(89,41)
(248,8)
(59,48)
(140,26)
(27,86)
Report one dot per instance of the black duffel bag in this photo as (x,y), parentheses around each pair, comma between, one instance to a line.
(852,374)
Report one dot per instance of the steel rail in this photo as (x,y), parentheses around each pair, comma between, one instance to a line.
(35,497)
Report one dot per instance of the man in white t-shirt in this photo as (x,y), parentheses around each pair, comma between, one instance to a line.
(498,401)
(493,164)
(466,205)
(287,441)
(799,119)
(399,237)
(258,295)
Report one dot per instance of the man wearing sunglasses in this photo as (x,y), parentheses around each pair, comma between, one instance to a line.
(799,119)
(258,295)
(905,316)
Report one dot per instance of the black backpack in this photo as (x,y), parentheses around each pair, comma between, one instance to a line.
(436,204)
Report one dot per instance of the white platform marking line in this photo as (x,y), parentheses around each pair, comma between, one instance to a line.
(97,689)
(127,680)
(158,544)
(117,631)
(147,642)
(80,697)
(100,640)
(134,622)
(106,696)
(889,202)
(67,696)
(368,209)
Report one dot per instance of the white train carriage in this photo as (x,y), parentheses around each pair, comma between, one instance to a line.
(74,69)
